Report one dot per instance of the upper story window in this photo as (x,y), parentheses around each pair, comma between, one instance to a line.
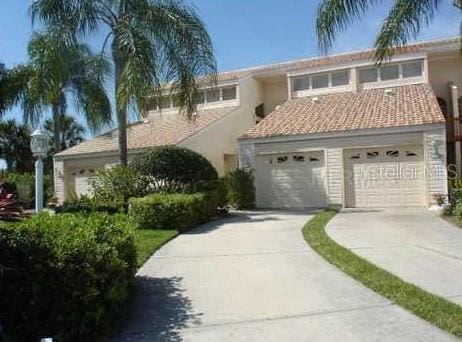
(319,81)
(391,72)
(210,96)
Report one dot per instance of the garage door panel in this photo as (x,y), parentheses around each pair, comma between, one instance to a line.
(384,177)
(291,180)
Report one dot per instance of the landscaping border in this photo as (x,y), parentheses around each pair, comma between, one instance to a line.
(432,308)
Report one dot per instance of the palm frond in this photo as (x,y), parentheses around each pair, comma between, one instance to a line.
(404,21)
(335,15)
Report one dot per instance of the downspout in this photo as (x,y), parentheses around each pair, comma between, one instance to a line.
(454,97)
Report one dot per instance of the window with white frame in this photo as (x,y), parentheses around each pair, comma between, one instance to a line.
(391,72)
(323,80)
(209,96)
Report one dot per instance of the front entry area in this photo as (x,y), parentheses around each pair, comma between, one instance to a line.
(291,180)
(384,177)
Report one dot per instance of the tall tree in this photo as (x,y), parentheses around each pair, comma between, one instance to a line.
(60,69)
(403,22)
(15,146)
(152,42)
(70,131)
(12,82)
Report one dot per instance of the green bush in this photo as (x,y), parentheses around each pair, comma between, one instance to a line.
(172,211)
(25,186)
(64,276)
(241,189)
(174,169)
(118,184)
(85,205)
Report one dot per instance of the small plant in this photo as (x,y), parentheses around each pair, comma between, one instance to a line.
(118,184)
(441,199)
(241,189)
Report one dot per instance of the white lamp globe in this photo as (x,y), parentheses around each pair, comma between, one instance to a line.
(39,144)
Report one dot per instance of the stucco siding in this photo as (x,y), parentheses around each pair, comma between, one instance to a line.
(435,159)
(220,137)
(334,164)
(275,93)
(59,188)
(441,71)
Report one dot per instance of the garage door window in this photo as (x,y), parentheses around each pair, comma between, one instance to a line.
(393,154)
(299,159)
(411,154)
(314,159)
(356,156)
(282,160)
(372,155)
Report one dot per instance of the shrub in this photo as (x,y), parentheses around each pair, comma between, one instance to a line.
(241,189)
(457,211)
(85,205)
(174,169)
(172,211)
(118,184)
(64,276)
(25,186)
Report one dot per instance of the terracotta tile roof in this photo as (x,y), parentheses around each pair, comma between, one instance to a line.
(416,47)
(406,106)
(161,129)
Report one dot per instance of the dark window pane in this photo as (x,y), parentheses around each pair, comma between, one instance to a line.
(164,102)
(390,72)
(320,81)
(412,69)
(213,95)
(229,93)
(368,75)
(340,78)
(301,84)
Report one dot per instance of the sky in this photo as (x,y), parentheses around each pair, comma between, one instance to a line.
(245,33)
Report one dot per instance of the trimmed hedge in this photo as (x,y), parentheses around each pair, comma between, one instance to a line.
(174,169)
(64,276)
(173,211)
(86,205)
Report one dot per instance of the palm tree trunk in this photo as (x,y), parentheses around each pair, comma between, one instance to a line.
(56,128)
(120,111)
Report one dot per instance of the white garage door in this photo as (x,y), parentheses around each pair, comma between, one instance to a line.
(384,177)
(291,180)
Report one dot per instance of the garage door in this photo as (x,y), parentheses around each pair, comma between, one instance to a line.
(291,180)
(384,177)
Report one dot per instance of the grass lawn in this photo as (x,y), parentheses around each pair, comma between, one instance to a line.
(150,240)
(432,308)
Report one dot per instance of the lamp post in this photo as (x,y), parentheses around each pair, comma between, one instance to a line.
(39,146)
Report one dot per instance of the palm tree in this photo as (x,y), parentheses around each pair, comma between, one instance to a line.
(152,42)
(69,130)
(59,69)
(12,81)
(15,146)
(403,22)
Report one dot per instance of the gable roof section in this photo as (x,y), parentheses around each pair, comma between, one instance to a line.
(408,105)
(161,129)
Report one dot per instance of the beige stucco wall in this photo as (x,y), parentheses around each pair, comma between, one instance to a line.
(441,71)
(220,137)
(275,93)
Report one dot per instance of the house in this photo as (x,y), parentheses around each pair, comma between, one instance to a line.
(326,131)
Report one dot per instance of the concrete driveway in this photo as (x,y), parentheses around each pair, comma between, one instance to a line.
(252,277)
(410,242)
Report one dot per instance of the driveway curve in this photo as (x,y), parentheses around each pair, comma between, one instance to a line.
(411,243)
(252,277)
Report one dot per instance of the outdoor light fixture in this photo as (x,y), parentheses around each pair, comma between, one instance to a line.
(39,146)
